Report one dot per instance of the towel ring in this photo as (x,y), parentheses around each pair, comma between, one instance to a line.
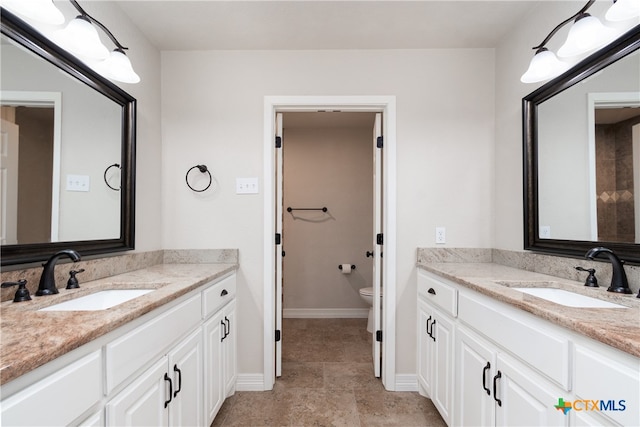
(116,165)
(203,169)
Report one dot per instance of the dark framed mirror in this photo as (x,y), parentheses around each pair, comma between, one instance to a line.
(76,189)
(581,154)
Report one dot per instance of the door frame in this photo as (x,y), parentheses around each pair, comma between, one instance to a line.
(387,106)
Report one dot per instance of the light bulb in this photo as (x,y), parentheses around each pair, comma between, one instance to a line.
(544,66)
(118,67)
(586,34)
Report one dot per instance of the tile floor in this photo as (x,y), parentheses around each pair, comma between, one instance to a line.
(327,380)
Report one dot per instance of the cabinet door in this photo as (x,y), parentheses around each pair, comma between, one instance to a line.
(186,370)
(476,362)
(425,345)
(213,381)
(526,398)
(442,331)
(142,403)
(229,347)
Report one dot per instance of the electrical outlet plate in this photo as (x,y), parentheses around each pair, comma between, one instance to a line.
(440,235)
(247,186)
(78,182)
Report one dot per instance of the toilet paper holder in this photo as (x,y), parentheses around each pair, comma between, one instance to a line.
(353,267)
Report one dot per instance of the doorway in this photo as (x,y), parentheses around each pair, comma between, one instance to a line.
(327,225)
(274,105)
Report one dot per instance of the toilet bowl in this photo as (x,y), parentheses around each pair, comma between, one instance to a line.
(367,295)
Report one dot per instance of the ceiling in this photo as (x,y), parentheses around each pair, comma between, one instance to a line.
(308,24)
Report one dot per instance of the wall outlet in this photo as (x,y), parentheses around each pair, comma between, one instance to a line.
(78,182)
(440,235)
(247,186)
(545,232)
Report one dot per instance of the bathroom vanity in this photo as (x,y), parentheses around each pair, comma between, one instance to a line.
(491,353)
(167,357)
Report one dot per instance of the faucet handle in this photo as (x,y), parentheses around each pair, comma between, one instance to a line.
(591,280)
(72,283)
(22,294)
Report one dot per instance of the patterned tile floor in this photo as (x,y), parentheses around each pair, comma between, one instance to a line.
(327,380)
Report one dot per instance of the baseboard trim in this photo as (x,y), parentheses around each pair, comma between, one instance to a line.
(406,382)
(325,313)
(250,382)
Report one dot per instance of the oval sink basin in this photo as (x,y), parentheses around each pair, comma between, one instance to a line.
(98,301)
(570,299)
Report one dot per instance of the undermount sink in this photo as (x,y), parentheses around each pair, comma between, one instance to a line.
(99,300)
(570,299)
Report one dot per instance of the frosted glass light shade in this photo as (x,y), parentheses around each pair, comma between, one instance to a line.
(43,11)
(81,39)
(118,67)
(586,34)
(622,10)
(544,66)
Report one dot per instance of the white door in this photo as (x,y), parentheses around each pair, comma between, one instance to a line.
(9,134)
(278,246)
(377,245)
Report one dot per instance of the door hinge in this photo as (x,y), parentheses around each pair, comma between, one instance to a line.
(379,336)
(379,239)
(278,335)
(278,142)
(278,238)
(379,142)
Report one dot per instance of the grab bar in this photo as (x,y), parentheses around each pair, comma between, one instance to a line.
(323,209)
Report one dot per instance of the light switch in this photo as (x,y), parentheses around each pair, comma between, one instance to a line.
(247,186)
(78,182)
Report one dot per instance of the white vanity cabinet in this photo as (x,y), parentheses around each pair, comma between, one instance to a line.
(39,404)
(511,367)
(220,367)
(157,370)
(493,388)
(435,343)
(169,393)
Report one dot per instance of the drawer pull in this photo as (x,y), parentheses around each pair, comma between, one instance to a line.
(432,291)
(495,385)
(484,378)
(175,369)
(166,378)
(224,292)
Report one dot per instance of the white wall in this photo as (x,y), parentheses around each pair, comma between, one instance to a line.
(212,113)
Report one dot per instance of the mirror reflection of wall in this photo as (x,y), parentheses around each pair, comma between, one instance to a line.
(615,192)
(47,208)
(567,192)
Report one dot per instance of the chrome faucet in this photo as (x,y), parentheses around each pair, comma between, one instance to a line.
(619,282)
(47,285)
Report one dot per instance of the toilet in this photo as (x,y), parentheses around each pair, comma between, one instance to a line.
(367,295)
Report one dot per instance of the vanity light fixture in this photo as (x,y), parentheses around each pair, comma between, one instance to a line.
(586,35)
(43,11)
(80,37)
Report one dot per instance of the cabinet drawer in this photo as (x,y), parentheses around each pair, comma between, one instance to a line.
(438,293)
(132,351)
(218,295)
(59,398)
(523,335)
(612,378)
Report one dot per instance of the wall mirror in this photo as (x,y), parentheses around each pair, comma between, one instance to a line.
(581,135)
(68,152)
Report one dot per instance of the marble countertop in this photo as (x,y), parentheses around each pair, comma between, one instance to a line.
(31,338)
(617,327)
